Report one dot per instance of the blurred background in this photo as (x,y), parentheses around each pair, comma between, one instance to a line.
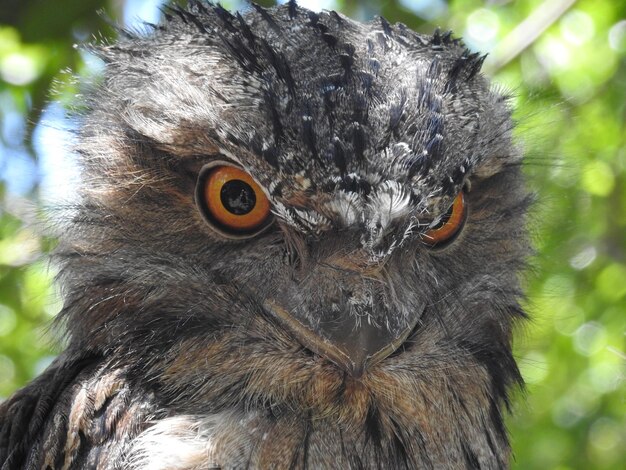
(565,62)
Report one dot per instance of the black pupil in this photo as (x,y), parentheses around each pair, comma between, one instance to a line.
(238,197)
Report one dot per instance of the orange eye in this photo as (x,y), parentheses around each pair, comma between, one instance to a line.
(449,226)
(233,201)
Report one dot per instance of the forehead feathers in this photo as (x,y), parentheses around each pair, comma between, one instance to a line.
(334,118)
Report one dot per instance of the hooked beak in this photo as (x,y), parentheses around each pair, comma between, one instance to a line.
(350,344)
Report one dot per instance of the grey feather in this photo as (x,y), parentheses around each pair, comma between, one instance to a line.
(361,136)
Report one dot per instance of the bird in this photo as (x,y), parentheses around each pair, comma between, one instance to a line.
(298,243)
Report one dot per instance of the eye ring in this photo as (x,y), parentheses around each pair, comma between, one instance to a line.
(450,226)
(231,201)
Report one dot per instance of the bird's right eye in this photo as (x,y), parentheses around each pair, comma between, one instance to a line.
(232,202)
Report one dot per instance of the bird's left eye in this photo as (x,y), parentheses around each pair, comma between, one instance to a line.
(232,202)
(449,226)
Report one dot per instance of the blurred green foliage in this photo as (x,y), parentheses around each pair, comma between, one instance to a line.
(569,86)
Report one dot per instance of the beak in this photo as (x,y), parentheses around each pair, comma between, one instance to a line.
(350,344)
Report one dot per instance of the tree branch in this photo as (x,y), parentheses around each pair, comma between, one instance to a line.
(526,33)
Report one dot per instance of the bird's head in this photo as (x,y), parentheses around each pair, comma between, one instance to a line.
(292,209)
